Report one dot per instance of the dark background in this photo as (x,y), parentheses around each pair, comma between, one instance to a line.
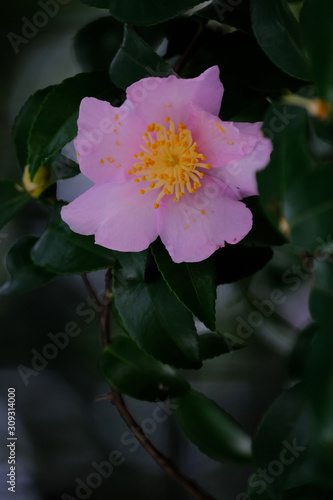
(62,425)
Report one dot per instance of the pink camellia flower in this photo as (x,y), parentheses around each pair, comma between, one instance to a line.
(165,165)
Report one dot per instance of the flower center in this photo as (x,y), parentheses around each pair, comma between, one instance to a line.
(169,161)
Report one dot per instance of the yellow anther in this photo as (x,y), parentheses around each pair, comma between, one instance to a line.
(170,161)
(142,191)
(129,172)
(101,161)
(116,117)
(202,211)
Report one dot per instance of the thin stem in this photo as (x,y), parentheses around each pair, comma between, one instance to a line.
(117,400)
(90,288)
(166,464)
(181,63)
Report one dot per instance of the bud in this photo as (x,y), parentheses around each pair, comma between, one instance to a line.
(36,185)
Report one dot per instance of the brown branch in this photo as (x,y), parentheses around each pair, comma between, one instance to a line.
(90,289)
(117,400)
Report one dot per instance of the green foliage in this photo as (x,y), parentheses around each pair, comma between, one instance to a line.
(135,60)
(61,251)
(149,11)
(274,21)
(156,319)
(223,438)
(133,372)
(193,283)
(276,65)
(318,41)
(25,275)
(47,137)
(12,199)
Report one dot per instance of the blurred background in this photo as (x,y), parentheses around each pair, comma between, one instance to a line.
(64,424)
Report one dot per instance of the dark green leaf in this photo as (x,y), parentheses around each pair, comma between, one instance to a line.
(155,318)
(193,283)
(279,34)
(235,262)
(96,44)
(236,14)
(300,351)
(286,126)
(133,372)
(212,345)
(308,207)
(55,125)
(212,429)
(23,122)
(62,168)
(12,200)
(316,23)
(25,275)
(62,251)
(280,446)
(321,298)
(320,387)
(149,11)
(135,60)
(263,233)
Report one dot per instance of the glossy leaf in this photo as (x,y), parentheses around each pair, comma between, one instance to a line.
(23,123)
(286,126)
(308,207)
(25,275)
(135,60)
(193,283)
(62,251)
(316,23)
(12,199)
(97,43)
(319,378)
(263,232)
(55,125)
(235,262)
(212,429)
(321,298)
(212,344)
(155,318)
(133,372)
(62,168)
(149,11)
(280,445)
(279,34)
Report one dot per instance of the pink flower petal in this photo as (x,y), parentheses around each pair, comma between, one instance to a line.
(236,151)
(107,139)
(119,216)
(190,235)
(155,98)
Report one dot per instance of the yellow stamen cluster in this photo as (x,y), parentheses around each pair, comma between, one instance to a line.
(169,161)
